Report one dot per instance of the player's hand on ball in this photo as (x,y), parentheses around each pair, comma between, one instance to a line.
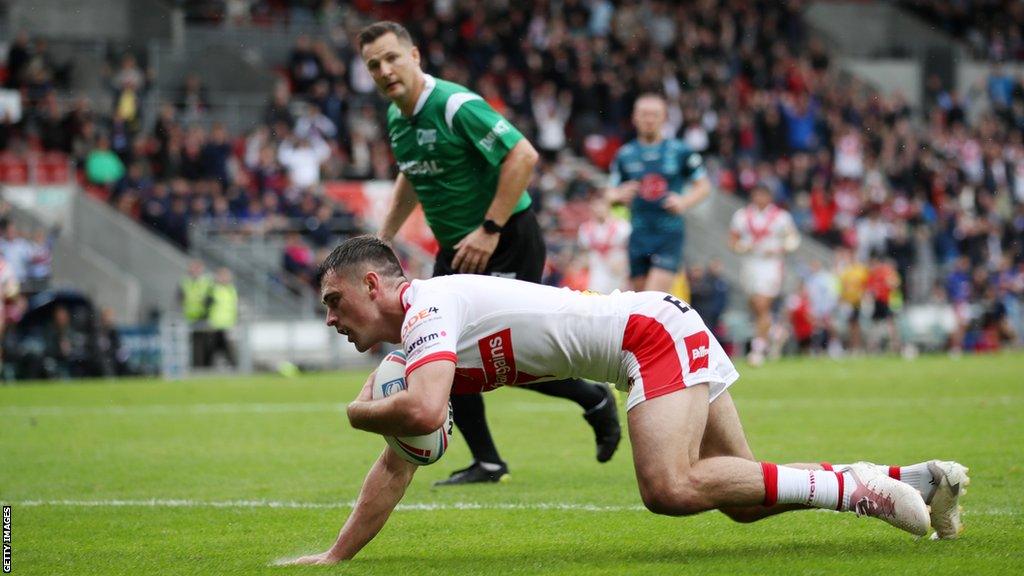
(366,394)
(474,252)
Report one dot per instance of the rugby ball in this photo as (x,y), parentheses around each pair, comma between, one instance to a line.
(420,450)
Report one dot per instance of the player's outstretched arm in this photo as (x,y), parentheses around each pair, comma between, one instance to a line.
(382,490)
(403,202)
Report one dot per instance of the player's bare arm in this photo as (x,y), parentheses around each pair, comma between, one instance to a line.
(382,490)
(623,193)
(736,244)
(791,240)
(421,409)
(474,251)
(403,202)
(682,203)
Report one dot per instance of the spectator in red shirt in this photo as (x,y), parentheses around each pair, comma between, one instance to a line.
(883,286)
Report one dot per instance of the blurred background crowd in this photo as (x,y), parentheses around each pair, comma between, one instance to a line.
(891,189)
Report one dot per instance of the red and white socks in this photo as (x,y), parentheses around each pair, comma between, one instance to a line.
(917,475)
(817,488)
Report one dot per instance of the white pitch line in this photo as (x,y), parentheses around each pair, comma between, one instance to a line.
(416,507)
(333,407)
(411,507)
(174,409)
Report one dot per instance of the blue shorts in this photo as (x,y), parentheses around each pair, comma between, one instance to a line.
(648,251)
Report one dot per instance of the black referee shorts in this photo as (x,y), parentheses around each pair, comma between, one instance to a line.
(520,253)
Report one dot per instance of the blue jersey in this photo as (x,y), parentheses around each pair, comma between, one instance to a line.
(667,167)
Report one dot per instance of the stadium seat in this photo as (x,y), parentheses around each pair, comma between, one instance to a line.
(53,168)
(13,169)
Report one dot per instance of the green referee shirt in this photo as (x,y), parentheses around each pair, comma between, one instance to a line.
(451,150)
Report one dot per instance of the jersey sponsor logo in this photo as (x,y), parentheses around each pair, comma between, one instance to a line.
(653,187)
(418,318)
(426,136)
(420,168)
(500,127)
(410,348)
(697,350)
(487,142)
(498,358)
(399,133)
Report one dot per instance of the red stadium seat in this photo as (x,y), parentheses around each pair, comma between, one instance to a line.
(13,169)
(101,193)
(53,168)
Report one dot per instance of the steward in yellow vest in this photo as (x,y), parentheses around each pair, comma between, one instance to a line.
(193,292)
(221,317)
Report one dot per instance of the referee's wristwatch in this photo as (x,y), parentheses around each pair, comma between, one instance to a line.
(492,227)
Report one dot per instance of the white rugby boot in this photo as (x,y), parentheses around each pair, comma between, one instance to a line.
(949,482)
(875,494)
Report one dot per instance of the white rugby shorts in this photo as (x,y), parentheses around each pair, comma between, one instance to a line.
(762,277)
(666,347)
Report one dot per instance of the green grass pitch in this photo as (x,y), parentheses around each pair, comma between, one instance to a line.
(224,476)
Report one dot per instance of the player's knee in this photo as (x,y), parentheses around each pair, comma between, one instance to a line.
(742,515)
(682,496)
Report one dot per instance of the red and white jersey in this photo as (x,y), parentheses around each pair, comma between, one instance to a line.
(605,243)
(850,156)
(504,332)
(764,231)
(971,160)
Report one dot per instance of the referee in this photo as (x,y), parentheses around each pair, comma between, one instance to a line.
(468,168)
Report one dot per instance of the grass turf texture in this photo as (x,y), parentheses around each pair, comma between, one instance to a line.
(91,457)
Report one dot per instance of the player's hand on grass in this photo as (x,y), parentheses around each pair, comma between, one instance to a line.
(473,252)
(321,559)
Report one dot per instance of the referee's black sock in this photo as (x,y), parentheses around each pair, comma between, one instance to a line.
(587,394)
(468,413)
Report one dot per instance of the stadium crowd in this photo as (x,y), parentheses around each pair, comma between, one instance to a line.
(46,333)
(992,29)
(747,86)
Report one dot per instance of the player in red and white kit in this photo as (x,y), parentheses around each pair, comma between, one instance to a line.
(605,238)
(764,234)
(472,333)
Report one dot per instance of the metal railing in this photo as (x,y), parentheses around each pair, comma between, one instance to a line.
(255,256)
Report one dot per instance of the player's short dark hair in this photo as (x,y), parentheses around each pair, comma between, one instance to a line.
(652,96)
(374,31)
(363,250)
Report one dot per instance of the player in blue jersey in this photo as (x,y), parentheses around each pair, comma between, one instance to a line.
(661,179)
